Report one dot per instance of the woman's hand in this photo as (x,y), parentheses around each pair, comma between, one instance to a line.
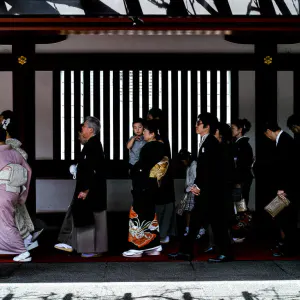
(83,195)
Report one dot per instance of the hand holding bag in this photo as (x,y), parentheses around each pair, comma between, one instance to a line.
(239,203)
(277,205)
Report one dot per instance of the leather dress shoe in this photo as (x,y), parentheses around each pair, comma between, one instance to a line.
(220,258)
(180,256)
(209,250)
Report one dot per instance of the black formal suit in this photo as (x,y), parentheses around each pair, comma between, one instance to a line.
(285,179)
(210,205)
(90,176)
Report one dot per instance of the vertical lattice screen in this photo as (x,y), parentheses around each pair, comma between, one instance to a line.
(119,97)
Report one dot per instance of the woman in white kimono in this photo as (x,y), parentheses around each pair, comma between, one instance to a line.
(14,186)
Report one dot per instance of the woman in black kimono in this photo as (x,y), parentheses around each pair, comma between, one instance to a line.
(243,157)
(165,203)
(143,225)
(242,179)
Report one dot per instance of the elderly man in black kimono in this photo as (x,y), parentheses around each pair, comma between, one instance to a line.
(210,191)
(85,228)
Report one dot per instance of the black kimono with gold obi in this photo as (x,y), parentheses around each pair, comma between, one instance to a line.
(143,225)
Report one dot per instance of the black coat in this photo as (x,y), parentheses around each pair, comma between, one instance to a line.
(285,165)
(243,155)
(210,179)
(151,153)
(90,176)
(210,170)
(167,189)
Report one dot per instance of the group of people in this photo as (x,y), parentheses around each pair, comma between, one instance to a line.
(220,175)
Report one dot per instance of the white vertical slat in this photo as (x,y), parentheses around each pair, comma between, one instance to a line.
(189,117)
(130,102)
(73,137)
(101,108)
(170,107)
(92,92)
(150,90)
(121,116)
(141,94)
(62,113)
(228,97)
(218,95)
(111,113)
(179,112)
(208,91)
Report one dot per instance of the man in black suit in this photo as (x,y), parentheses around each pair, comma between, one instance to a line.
(209,189)
(285,158)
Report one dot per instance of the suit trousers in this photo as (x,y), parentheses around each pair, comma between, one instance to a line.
(208,212)
(287,222)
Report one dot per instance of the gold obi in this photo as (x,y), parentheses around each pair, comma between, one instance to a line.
(160,169)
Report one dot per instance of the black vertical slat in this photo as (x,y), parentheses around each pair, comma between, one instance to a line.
(136,96)
(213,92)
(145,91)
(125,111)
(155,89)
(116,114)
(184,109)
(86,93)
(174,112)
(223,96)
(165,100)
(234,94)
(203,86)
(296,91)
(56,115)
(106,113)
(194,109)
(97,94)
(67,110)
(77,119)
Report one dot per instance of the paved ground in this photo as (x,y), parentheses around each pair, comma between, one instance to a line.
(248,280)
(235,290)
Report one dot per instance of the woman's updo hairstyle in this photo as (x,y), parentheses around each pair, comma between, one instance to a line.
(12,130)
(152,126)
(243,124)
(2,135)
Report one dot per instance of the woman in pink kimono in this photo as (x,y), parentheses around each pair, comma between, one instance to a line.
(14,186)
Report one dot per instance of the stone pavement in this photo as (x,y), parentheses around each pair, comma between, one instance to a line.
(243,280)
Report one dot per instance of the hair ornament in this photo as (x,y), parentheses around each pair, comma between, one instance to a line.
(5,123)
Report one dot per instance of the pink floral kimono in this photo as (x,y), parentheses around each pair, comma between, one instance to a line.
(11,241)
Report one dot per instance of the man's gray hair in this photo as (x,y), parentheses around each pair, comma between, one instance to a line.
(94,123)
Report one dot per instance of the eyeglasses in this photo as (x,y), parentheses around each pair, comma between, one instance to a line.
(198,123)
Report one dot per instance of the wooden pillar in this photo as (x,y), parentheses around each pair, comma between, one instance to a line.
(265,109)
(23,51)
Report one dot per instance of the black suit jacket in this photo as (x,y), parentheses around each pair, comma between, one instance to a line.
(210,166)
(285,165)
(90,176)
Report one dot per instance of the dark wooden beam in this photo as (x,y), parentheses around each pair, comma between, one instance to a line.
(83,24)
(23,52)
(265,109)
